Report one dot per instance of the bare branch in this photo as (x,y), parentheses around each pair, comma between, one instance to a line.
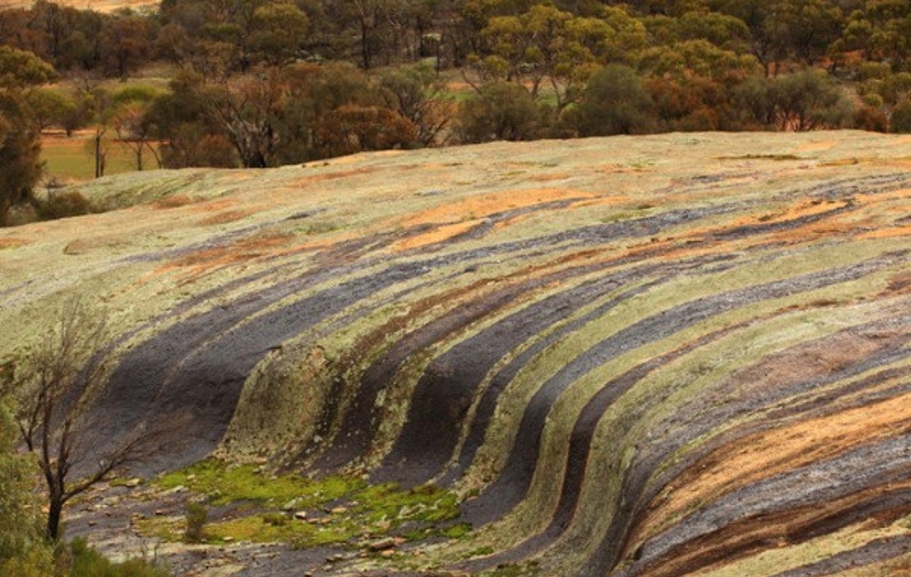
(55,387)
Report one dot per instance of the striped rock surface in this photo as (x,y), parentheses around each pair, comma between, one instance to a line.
(652,356)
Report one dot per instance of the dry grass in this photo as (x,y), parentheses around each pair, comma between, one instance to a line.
(71,158)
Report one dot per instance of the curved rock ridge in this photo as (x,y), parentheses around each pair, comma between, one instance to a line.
(652,356)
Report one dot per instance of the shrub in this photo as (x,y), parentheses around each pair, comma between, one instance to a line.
(755,104)
(871,118)
(810,100)
(499,111)
(615,102)
(36,562)
(197,516)
(86,562)
(900,121)
(21,543)
(63,204)
(275,519)
(351,129)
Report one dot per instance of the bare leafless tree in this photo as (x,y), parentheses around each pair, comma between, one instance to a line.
(54,385)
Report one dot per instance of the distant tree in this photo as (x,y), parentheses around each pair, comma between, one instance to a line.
(900,119)
(500,111)
(700,58)
(879,31)
(334,85)
(134,130)
(548,48)
(20,145)
(49,107)
(20,149)
(692,83)
(173,44)
(186,131)
(382,24)
(755,103)
(278,31)
(523,47)
(690,104)
(805,100)
(21,69)
(53,386)
(871,118)
(246,109)
(787,30)
(895,88)
(126,44)
(132,122)
(809,27)
(810,100)
(415,93)
(351,129)
(615,101)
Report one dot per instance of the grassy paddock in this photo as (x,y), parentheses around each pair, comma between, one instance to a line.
(71,158)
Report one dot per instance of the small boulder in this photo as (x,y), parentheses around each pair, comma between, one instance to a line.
(382,544)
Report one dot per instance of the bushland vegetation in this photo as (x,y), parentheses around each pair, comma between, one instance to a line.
(259,83)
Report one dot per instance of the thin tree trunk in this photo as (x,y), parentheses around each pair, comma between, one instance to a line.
(55,512)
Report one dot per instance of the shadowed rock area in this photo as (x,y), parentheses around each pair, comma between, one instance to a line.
(651,356)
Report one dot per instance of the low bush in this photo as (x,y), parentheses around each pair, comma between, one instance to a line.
(197,516)
(63,204)
(86,562)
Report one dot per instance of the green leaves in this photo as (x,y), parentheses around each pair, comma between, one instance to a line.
(20,528)
(21,69)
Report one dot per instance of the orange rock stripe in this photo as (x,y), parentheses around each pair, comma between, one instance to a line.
(770,452)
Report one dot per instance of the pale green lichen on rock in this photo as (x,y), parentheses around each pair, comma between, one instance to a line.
(697,290)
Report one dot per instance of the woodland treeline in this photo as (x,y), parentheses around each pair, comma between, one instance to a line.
(267,82)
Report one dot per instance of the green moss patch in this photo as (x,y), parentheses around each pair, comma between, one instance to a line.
(303,512)
(222,484)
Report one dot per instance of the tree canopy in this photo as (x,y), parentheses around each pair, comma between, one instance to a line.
(258,83)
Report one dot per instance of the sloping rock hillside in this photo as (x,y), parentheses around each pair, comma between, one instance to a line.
(652,356)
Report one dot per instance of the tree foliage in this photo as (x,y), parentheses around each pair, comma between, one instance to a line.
(20,167)
(500,111)
(262,83)
(415,93)
(615,101)
(809,100)
(20,525)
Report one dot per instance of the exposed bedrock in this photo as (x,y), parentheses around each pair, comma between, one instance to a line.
(653,356)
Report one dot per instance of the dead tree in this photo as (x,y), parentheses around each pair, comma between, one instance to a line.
(54,385)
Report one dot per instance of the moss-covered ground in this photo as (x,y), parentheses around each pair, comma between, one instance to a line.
(248,503)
